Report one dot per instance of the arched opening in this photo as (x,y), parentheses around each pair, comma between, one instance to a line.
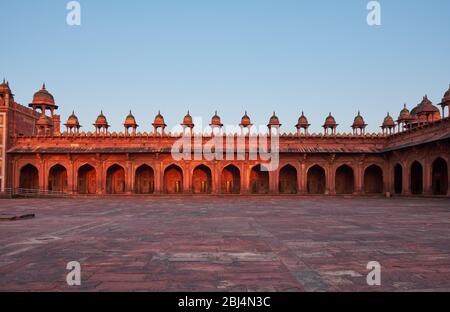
(87,180)
(345,180)
(316,181)
(144,181)
(398,179)
(57,179)
(259,180)
(288,180)
(231,180)
(440,177)
(115,180)
(173,180)
(29,178)
(416,178)
(373,180)
(202,180)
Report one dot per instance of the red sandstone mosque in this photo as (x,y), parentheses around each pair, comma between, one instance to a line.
(409,157)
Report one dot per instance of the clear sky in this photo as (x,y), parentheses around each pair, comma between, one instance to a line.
(319,56)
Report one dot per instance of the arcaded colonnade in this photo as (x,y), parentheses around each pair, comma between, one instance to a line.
(401,173)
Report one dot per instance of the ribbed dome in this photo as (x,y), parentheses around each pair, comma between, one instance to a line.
(274,121)
(187,120)
(43,97)
(330,122)
(303,121)
(130,120)
(245,121)
(101,120)
(388,122)
(426,107)
(216,121)
(359,121)
(404,114)
(72,120)
(159,120)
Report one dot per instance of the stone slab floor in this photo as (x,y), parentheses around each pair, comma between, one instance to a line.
(226,244)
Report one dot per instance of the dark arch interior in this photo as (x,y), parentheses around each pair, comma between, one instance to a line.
(144,182)
(259,180)
(115,180)
(87,180)
(316,181)
(57,179)
(288,180)
(440,177)
(345,180)
(173,180)
(202,180)
(29,178)
(373,180)
(416,178)
(398,179)
(231,180)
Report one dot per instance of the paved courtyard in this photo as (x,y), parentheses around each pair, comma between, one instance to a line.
(226,244)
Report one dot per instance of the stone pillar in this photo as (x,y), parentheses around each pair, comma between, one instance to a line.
(330,178)
(128,177)
(101,175)
(245,179)
(187,185)
(387,177)
(42,175)
(407,179)
(273,182)
(159,178)
(70,178)
(301,178)
(427,177)
(359,178)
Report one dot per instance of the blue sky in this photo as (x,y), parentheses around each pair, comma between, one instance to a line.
(230,56)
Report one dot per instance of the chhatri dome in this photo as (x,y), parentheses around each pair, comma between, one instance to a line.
(330,122)
(43,97)
(359,121)
(388,122)
(130,121)
(159,120)
(101,121)
(72,121)
(216,121)
(245,121)
(274,121)
(187,121)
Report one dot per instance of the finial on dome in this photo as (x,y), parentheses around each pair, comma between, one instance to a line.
(4,81)
(43,86)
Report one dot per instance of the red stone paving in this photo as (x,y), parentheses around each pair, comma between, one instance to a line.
(226,244)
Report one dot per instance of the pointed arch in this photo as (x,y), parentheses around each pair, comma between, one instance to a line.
(202,180)
(345,180)
(115,179)
(87,179)
(29,177)
(398,179)
(288,181)
(57,179)
(373,180)
(259,180)
(231,180)
(173,179)
(316,180)
(144,180)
